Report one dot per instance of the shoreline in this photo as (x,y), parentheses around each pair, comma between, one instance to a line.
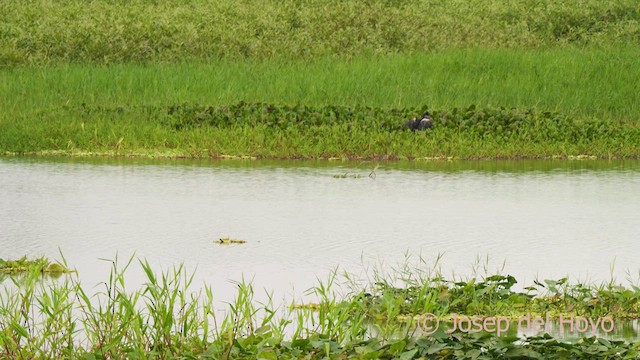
(161,155)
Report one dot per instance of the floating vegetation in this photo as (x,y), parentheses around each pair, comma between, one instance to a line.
(227,241)
(493,296)
(354,175)
(347,175)
(307,306)
(24,265)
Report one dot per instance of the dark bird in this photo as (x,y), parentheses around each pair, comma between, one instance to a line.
(421,123)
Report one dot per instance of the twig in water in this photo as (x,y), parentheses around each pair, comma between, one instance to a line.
(372,174)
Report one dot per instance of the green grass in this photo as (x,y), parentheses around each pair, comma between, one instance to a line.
(124,109)
(44,31)
(98,78)
(585,83)
(165,318)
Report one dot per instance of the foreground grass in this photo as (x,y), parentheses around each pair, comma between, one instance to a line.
(131,109)
(165,319)
(43,32)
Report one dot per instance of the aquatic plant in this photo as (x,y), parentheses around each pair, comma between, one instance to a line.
(493,296)
(346,175)
(23,265)
(164,318)
(227,241)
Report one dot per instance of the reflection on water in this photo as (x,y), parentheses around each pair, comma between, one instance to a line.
(542,219)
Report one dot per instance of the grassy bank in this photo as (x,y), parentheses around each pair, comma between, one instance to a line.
(381,319)
(547,79)
(127,109)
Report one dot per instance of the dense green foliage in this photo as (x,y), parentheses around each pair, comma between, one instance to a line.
(494,296)
(492,124)
(271,131)
(164,318)
(44,31)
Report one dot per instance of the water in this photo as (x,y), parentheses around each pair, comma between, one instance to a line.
(533,220)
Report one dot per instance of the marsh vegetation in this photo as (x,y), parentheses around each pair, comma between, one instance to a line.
(165,318)
(45,32)
(103,78)
(311,80)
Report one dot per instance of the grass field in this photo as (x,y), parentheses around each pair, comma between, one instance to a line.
(45,31)
(124,109)
(102,77)
(584,83)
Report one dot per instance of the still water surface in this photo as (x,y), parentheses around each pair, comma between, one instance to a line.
(538,219)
